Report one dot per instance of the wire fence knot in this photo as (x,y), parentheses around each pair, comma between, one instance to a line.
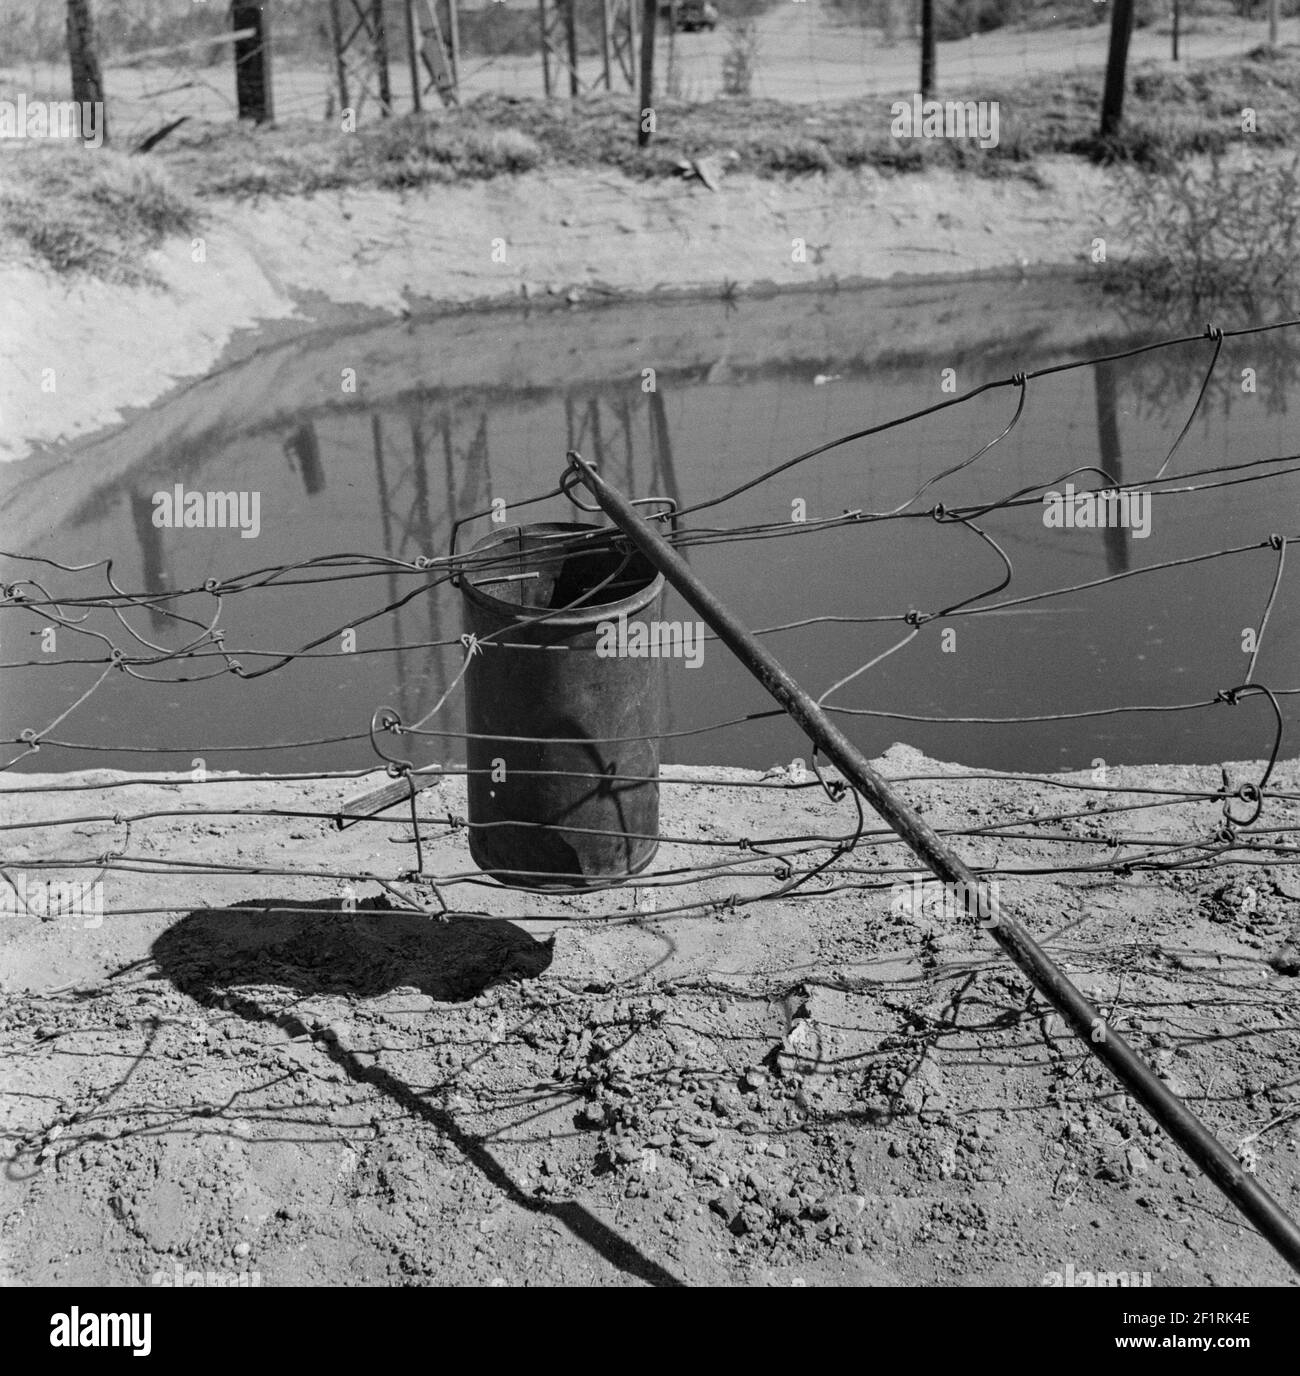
(1248,793)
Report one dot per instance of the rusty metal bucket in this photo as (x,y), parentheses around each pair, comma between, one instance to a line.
(560,811)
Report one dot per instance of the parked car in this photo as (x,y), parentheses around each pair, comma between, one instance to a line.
(689,16)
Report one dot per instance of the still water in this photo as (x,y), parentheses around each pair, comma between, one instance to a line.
(448,415)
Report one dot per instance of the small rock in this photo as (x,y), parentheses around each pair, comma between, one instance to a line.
(726,1206)
(241,1250)
(1286,960)
(1136,1159)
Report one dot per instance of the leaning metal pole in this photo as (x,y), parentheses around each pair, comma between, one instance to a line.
(1106,1044)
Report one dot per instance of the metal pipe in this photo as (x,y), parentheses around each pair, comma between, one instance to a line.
(1103,1041)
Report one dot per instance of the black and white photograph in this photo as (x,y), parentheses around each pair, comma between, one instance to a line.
(651,644)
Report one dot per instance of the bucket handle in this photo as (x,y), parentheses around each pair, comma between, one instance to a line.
(565,489)
(573,475)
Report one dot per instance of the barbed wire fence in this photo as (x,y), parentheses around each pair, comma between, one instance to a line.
(209,650)
(412,54)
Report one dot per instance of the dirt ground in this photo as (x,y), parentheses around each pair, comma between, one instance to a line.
(835,1088)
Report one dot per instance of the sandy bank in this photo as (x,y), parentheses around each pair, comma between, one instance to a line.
(584,237)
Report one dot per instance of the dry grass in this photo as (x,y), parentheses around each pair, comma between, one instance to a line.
(1213,235)
(94,211)
(1168,117)
(102,222)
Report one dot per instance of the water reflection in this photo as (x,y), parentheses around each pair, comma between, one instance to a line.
(1111,461)
(455,414)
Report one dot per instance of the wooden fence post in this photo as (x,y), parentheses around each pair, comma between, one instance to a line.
(87,79)
(253,61)
(340,66)
(1112,100)
(571,43)
(381,58)
(927,48)
(413,55)
(649,16)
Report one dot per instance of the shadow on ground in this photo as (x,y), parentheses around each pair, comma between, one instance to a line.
(322,948)
(250,956)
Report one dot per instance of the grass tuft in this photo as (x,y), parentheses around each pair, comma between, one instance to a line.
(91,211)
